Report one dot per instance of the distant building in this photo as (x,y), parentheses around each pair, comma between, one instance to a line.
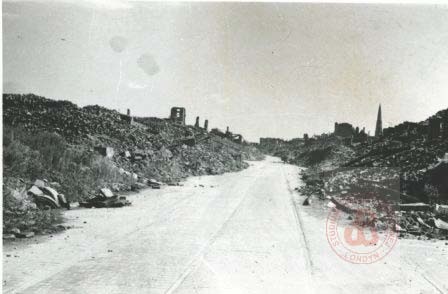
(344,130)
(379,124)
(305,139)
(270,142)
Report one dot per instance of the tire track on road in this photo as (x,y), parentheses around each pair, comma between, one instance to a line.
(422,272)
(195,262)
(300,227)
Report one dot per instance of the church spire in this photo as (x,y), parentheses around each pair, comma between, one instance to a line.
(379,124)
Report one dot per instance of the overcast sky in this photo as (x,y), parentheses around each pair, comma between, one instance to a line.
(264,69)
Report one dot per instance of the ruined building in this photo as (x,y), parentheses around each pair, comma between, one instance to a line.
(237,138)
(379,124)
(197,124)
(306,139)
(349,134)
(178,115)
(344,130)
(127,118)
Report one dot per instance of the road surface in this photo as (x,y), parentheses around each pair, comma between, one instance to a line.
(242,232)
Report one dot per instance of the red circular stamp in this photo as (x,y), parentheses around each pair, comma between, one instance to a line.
(361,230)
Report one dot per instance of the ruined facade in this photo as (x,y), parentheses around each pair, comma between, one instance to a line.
(237,138)
(198,126)
(349,134)
(178,115)
(127,118)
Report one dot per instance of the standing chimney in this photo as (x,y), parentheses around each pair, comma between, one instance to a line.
(129,112)
(206,125)
(196,124)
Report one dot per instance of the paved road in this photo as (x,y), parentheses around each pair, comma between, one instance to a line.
(234,233)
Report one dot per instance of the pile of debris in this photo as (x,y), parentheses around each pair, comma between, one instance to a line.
(105,198)
(323,152)
(414,220)
(47,197)
(21,216)
(98,147)
(422,221)
(149,147)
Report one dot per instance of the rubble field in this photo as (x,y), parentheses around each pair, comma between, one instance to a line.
(407,165)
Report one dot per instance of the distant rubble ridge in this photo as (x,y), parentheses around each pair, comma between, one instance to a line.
(34,112)
(418,152)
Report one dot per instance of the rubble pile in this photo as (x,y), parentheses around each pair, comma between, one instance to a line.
(422,161)
(423,221)
(419,159)
(47,197)
(105,198)
(88,148)
(21,216)
(325,152)
(406,164)
(149,147)
(75,124)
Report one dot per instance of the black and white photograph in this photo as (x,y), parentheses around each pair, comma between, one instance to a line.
(224,147)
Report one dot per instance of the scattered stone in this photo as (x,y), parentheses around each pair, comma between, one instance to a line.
(9,236)
(25,235)
(107,192)
(15,231)
(105,199)
(39,183)
(307,202)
